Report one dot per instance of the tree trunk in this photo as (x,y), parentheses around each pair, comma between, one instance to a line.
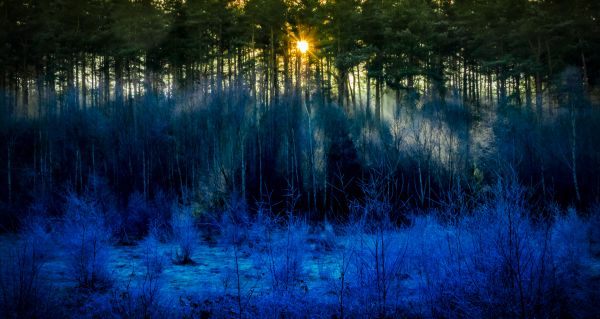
(378,100)
(368,107)
(40,90)
(243,154)
(25,96)
(538,93)
(83,82)
(260,165)
(106,81)
(357,81)
(574,151)
(118,83)
(585,72)
(9,170)
(528,91)
(465,91)
(502,80)
(518,89)
(341,82)
(274,83)
(328,80)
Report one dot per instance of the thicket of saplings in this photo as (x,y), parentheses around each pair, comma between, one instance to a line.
(491,257)
(207,150)
(417,224)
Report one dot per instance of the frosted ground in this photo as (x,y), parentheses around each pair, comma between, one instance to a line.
(492,263)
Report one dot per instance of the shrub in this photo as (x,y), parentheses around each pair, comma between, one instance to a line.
(262,229)
(324,237)
(372,263)
(160,216)
(594,230)
(371,268)
(142,296)
(287,254)
(86,241)
(492,263)
(573,285)
(153,260)
(498,263)
(23,293)
(234,227)
(133,222)
(185,235)
(279,249)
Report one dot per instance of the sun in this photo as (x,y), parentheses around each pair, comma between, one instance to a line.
(302,45)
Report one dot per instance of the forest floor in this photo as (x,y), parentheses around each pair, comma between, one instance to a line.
(213,271)
(212,274)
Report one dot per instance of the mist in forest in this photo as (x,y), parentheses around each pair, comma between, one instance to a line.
(307,158)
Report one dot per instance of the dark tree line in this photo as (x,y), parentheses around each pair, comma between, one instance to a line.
(93,53)
(208,98)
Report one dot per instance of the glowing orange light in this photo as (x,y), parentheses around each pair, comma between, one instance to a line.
(302,46)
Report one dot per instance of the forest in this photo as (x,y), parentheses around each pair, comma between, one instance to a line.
(299,158)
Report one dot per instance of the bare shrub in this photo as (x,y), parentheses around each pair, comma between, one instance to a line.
(133,221)
(261,229)
(153,259)
(372,269)
(498,263)
(594,229)
(492,263)
(23,292)
(142,296)
(375,271)
(160,216)
(324,237)
(86,242)
(280,243)
(287,255)
(573,284)
(185,234)
(338,275)
(279,248)
(234,226)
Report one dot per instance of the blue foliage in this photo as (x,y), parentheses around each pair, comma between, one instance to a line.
(494,260)
(86,242)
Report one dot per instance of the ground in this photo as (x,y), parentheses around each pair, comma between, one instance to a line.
(315,258)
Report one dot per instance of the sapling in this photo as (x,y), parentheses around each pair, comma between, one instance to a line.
(86,241)
(185,235)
